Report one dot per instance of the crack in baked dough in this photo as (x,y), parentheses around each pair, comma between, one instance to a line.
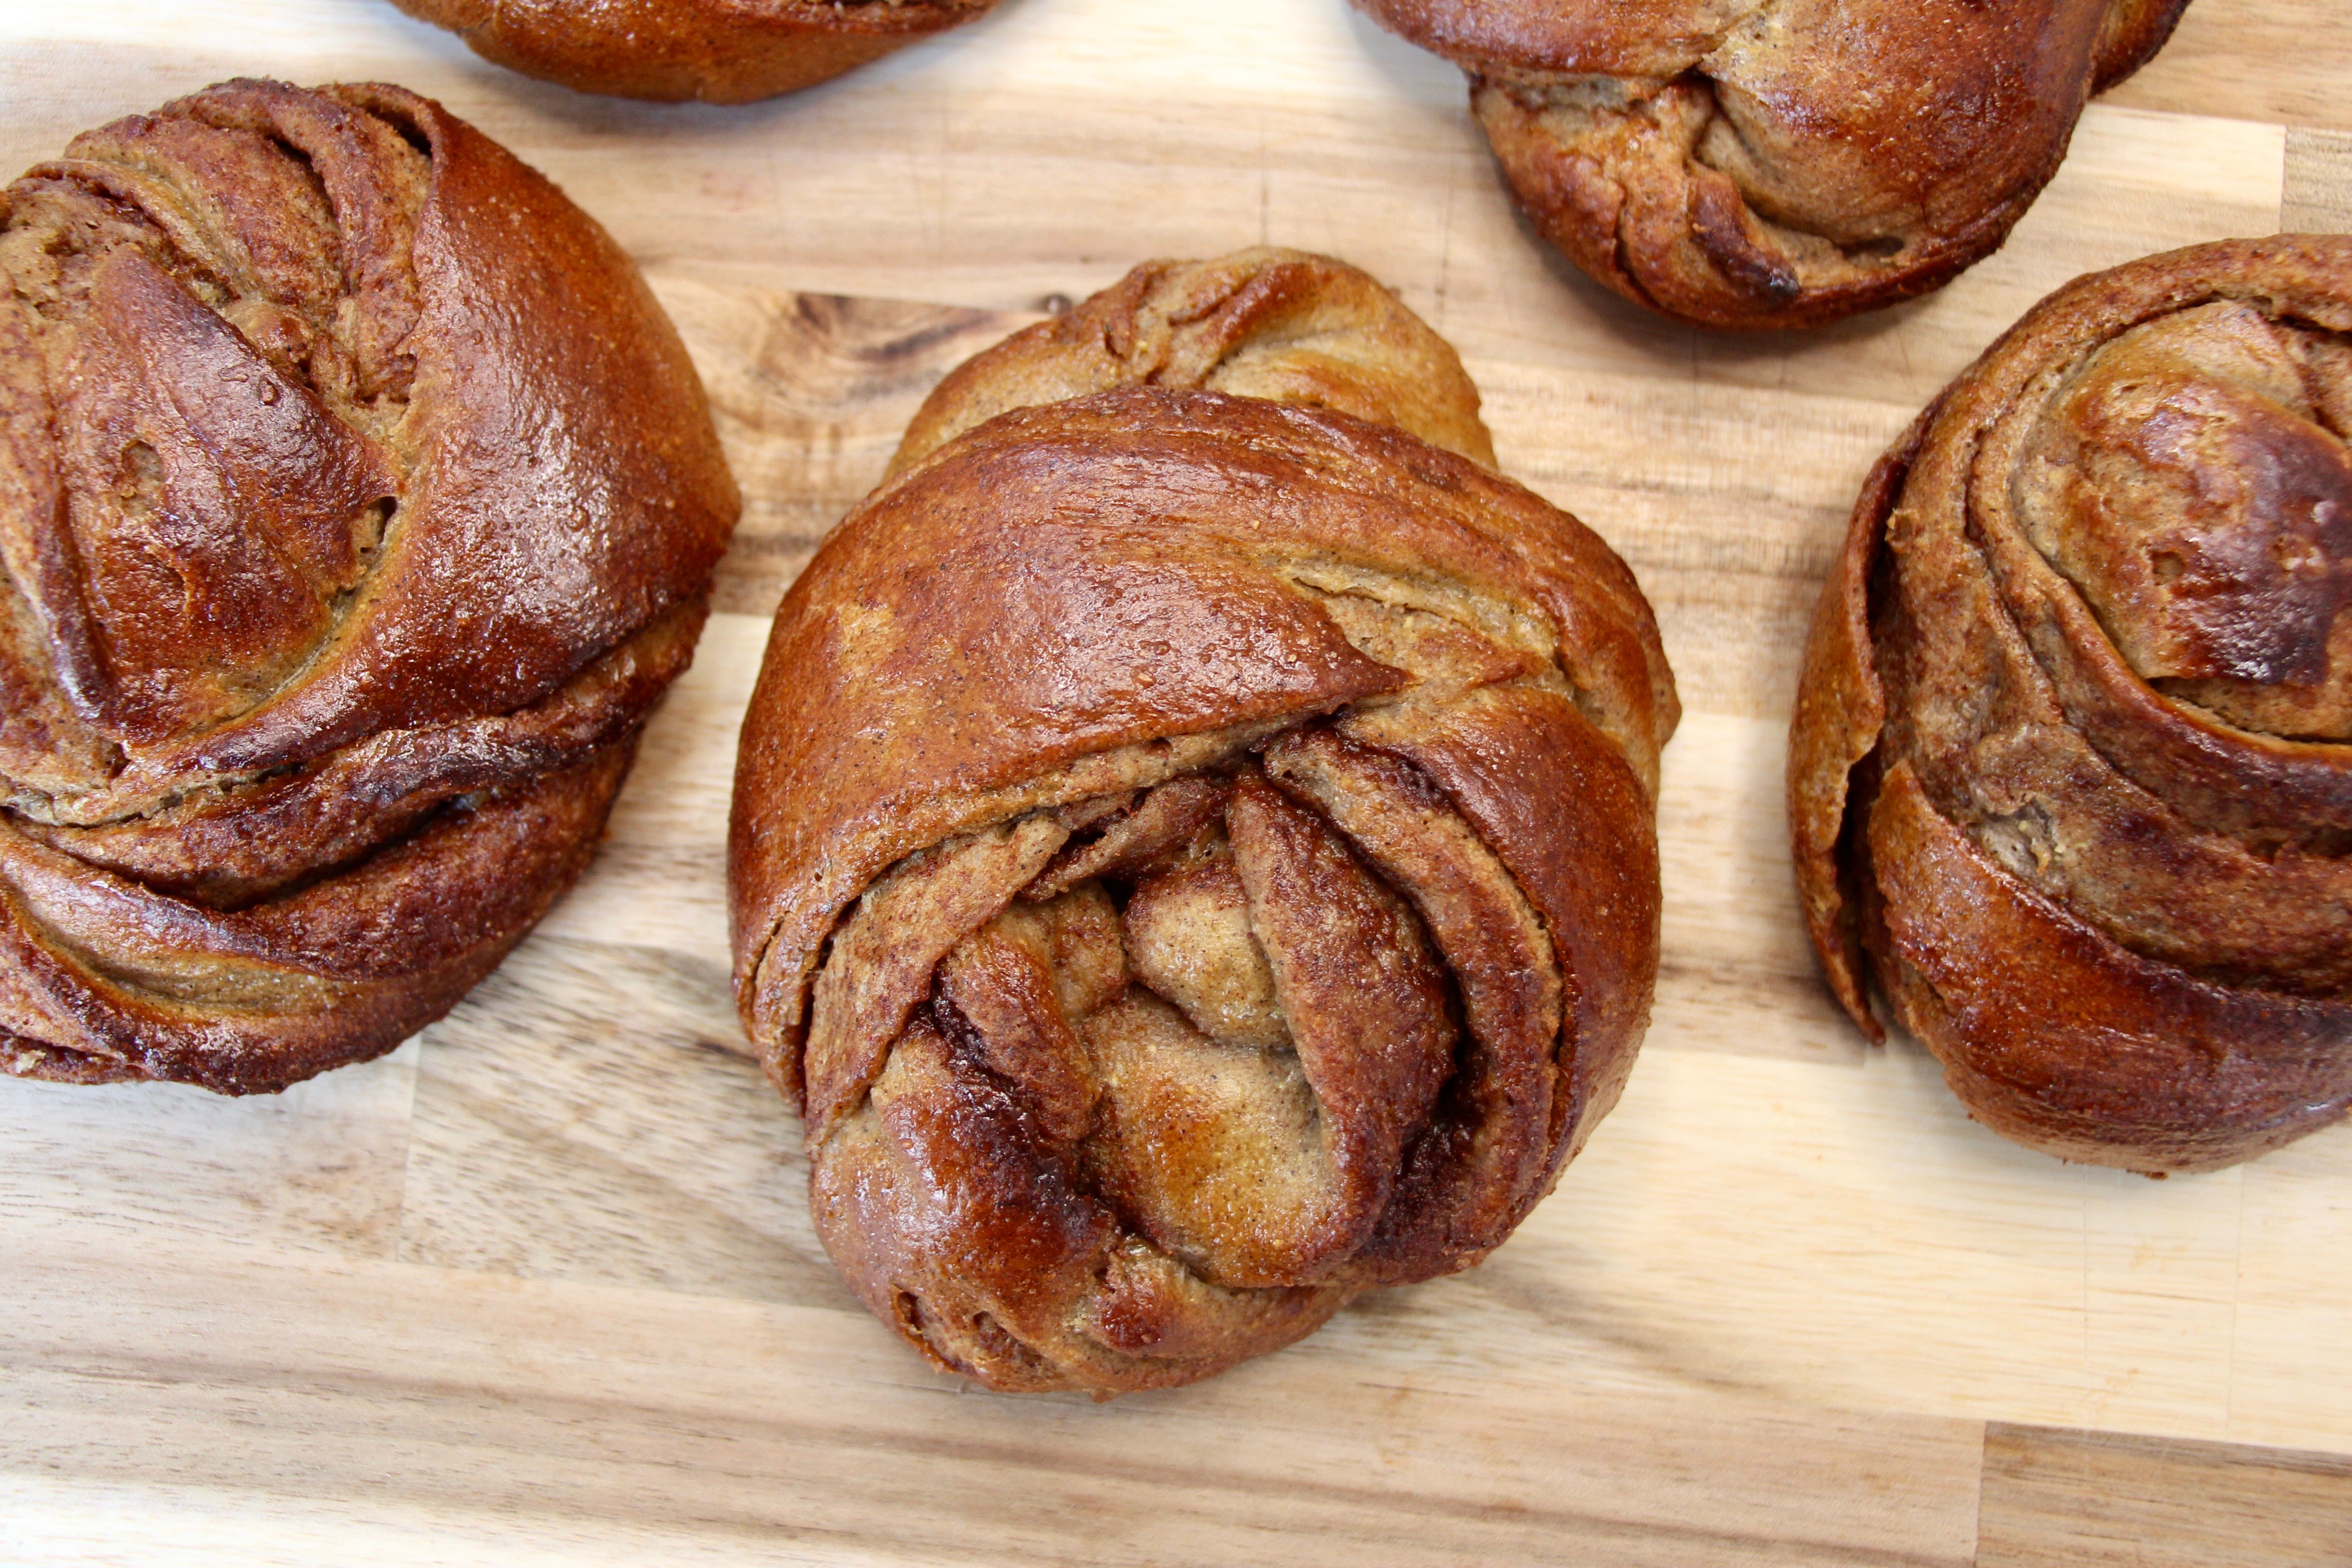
(1787,162)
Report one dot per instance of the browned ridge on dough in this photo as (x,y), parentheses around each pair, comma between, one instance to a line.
(720,51)
(1753,163)
(356,502)
(2071,772)
(1194,854)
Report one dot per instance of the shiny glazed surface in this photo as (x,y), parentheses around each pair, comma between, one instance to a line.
(720,51)
(1752,163)
(339,574)
(1194,854)
(2069,776)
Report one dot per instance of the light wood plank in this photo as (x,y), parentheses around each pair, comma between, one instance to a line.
(2284,60)
(2097,1499)
(540,1286)
(722,1423)
(2294,1298)
(1734,949)
(321,1166)
(2318,183)
(811,393)
(1729,522)
(1849,1236)
(589,1113)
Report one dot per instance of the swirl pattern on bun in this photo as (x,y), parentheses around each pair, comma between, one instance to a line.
(1195,852)
(2071,773)
(356,502)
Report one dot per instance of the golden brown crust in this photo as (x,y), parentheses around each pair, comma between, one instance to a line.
(1264,322)
(341,572)
(720,51)
(1752,163)
(2069,776)
(1193,855)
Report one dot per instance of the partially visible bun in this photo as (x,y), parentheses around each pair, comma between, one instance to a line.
(356,502)
(720,51)
(1784,165)
(2070,778)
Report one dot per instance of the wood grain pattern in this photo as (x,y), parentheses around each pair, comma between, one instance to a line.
(540,1286)
(2318,198)
(660,1423)
(2282,60)
(2100,1499)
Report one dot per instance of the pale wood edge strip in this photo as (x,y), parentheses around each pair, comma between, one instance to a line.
(2318,193)
(2053,1497)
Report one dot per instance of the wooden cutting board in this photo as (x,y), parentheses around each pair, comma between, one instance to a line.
(540,1286)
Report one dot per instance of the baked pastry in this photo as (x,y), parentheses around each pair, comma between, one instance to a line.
(721,52)
(356,502)
(1193,852)
(2069,777)
(1786,164)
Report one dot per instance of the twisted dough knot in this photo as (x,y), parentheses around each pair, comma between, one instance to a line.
(356,502)
(2069,774)
(1749,164)
(1194,856)
(719,51)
